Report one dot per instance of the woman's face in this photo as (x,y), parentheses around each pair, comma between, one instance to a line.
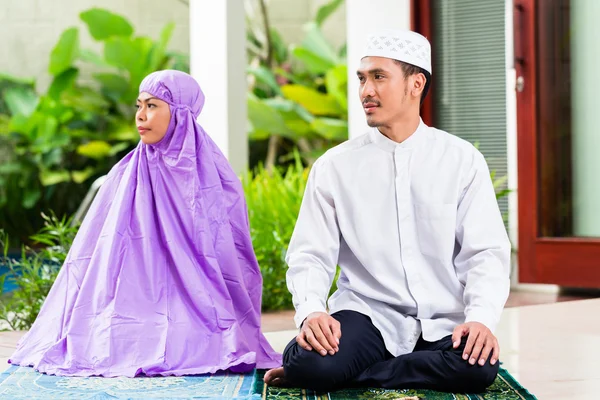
(152,118)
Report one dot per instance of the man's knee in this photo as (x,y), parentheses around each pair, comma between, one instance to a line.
(476,378)
(309,369)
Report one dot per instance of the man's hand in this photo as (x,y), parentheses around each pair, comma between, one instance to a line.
(321,332)
(480,343)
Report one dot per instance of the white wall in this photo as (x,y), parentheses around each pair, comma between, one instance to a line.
(511,125)
(360,21)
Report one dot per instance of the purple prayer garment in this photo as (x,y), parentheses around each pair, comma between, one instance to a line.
(162,278)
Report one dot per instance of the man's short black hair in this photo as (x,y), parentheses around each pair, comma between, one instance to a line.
(409,70)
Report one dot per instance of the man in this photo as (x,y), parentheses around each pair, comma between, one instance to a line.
(409,214)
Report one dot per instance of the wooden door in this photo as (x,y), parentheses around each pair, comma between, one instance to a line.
(554,245)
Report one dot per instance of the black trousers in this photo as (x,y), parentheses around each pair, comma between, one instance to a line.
(362,360)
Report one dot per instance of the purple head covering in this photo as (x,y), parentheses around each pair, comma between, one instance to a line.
(162,278)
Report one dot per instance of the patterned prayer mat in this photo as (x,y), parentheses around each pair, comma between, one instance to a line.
(26,383)
(505,387)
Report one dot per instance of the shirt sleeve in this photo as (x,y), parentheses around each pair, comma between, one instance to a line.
(483,262)
(313,251)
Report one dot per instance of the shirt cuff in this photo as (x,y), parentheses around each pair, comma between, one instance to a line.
(307,308)
(483,316)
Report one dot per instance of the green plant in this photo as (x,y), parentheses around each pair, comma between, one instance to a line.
(500,186)
(56,142)
(274,199)
(298,95)
(34,273)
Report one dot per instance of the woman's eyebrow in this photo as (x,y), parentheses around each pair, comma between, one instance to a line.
(147,100)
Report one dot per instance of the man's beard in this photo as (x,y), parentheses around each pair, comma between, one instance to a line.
(373,123)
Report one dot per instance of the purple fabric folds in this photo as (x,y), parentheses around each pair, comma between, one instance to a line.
(162,278)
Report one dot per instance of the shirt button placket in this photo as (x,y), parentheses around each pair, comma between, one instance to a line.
(404,208)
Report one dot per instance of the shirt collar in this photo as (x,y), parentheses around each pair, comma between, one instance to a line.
(387,144)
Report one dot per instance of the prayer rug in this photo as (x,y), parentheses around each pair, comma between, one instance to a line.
(505,387)
(25,383)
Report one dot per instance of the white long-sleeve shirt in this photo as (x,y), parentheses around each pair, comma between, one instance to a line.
(416,230)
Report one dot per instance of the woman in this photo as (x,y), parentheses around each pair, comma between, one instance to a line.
(161,278)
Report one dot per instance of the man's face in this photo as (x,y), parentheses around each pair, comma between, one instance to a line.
(383,90)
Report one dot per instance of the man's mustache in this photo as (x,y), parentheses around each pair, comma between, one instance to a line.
(370,100)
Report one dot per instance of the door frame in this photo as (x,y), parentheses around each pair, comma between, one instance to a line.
(572,261)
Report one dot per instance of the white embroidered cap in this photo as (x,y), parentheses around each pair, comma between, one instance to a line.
(406,46)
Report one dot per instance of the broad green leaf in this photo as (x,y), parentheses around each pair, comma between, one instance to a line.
(4,124)
(94,58)
(82,176)
(159,50)
(314,64)
(19,123)
(47,126)
(96,149)
(114,86)
(296,118)
(336,81)
(18,80)
(65,52)
(502,193)
(314,101)
(10,168)
(21,101)
(131,55)
(316,43)
(53,157)
(497,182)
(330,128)
(85,99)
(300,127)
(49,178)
(62,82)
(31,197)
(178,61)
(265,118)
(124,134)
(326,10)
(280,48)
(343,53)
(266,76)
(281,105)
(104,24)
(117,148)
(66,116)
(298,79)
(256,134)
(46,143)
(56,108)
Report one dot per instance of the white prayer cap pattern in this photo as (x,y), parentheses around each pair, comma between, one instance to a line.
(406,46)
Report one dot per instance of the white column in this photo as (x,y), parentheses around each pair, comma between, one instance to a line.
(363,17)
(511,124)
(218,63)
(585,58)
(511,140)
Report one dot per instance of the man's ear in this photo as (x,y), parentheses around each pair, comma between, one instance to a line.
(419,81)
